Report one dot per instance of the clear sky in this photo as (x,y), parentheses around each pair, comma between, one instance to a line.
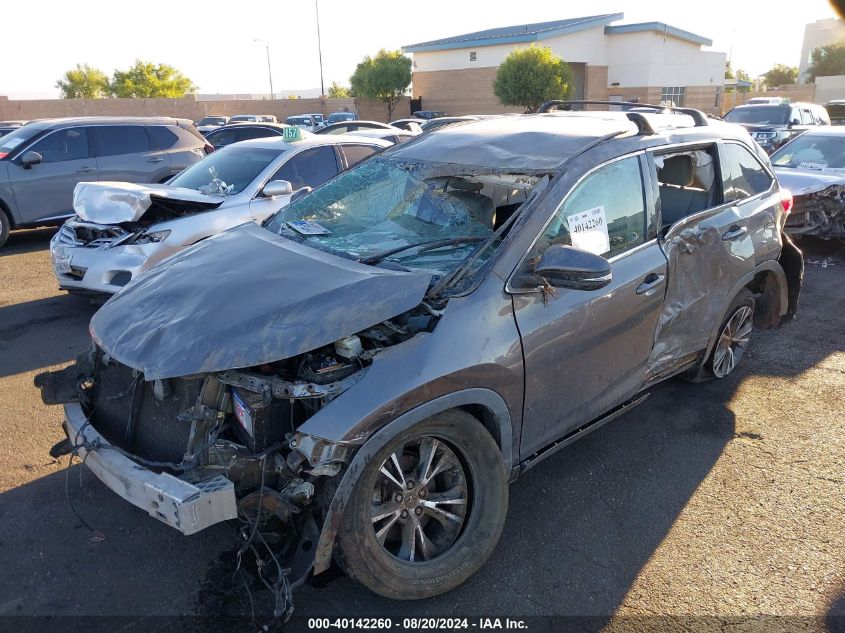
(212,42)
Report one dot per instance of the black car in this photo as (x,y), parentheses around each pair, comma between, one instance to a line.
(428,114)
(350,127)
(235,132)
(773,125)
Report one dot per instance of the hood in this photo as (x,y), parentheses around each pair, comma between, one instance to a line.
(243,298)
(763,127)
(116,202)
(800,182)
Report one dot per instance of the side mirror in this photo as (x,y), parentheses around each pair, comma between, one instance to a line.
(300,192)
(277,188)
(794,122)
(567,267)
(31,158)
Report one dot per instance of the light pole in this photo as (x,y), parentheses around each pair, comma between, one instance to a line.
(269,71)
(319,48)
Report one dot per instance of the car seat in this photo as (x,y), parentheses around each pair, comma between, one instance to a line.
(479,206)
(679,197)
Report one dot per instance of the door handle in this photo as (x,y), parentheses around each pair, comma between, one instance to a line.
(155,160)
(734,232)
(86,170)
(651,281)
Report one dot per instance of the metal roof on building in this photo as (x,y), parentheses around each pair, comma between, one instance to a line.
(518,33)
(659,27)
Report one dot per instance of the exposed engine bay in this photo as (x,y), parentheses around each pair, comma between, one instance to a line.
(238,426)
(820,213)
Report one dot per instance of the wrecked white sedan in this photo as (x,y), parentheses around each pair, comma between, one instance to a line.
(812,168)
(122,229)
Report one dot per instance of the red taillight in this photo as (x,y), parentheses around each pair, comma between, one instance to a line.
(3,154)
(786,201)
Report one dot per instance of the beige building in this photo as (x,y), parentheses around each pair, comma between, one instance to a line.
(650,61)
(817,34)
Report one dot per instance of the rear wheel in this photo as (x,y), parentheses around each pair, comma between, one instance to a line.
(734,335)
(427,510)
(5,227)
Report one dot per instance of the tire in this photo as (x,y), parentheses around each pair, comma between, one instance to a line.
(465,464)
(731,342)
(5,227)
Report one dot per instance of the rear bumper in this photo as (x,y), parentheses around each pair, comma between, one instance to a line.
(187,507)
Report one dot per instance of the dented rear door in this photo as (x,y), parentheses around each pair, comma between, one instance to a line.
(708,253)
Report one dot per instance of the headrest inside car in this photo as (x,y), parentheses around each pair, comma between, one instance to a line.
(465,185)
(677,170)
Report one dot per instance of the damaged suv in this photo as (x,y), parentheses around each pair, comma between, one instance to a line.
(361,376)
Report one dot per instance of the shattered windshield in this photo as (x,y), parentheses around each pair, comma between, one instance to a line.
(812,151)
(419,216)
(227,171)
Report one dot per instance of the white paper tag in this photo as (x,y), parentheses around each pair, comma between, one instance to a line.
(307,227)
(588,230)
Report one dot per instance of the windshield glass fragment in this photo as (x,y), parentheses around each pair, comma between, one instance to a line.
(420,216)
(227,171)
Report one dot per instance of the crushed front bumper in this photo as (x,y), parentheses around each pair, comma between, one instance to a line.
(187,507)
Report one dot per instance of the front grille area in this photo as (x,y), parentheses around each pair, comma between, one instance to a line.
(89,235)
(128,414)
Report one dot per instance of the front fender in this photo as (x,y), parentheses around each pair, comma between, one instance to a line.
(489,400)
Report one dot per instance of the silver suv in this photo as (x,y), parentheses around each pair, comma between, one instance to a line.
(41,162)
(363,375)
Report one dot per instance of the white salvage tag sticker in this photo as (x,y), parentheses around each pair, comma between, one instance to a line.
(588,230)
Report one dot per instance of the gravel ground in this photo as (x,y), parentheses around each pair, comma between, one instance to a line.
(721,499)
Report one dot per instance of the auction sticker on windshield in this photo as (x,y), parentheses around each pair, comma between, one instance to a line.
(588,230)
(307,227)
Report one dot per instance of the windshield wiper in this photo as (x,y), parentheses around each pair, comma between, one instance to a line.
(427,245)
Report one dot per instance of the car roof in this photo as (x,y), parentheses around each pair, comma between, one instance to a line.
(541,142)
(312,140)
(379,132)
(107,120)
(240,124)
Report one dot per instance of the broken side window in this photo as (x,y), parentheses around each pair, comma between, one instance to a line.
(687,183)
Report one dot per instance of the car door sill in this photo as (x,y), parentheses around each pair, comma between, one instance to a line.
(580,432)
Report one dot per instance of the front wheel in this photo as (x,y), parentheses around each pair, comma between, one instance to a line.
(427,510)
(5,227)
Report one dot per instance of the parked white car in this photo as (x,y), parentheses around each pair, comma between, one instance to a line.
(122,229)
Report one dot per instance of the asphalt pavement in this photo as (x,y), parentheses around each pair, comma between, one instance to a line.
(719,499)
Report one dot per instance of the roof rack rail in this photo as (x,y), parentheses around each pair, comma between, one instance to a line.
(698,116)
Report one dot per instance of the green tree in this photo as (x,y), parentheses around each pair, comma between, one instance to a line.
(336,91)
(385,77)
(84,82)
(145,79)
(729,73)
(529,76)
(781,75)
(826,61)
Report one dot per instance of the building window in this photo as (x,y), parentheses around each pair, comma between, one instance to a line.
(472,56)
(676,94)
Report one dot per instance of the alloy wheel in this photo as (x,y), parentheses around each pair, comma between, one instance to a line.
(732,342)
(420,500)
